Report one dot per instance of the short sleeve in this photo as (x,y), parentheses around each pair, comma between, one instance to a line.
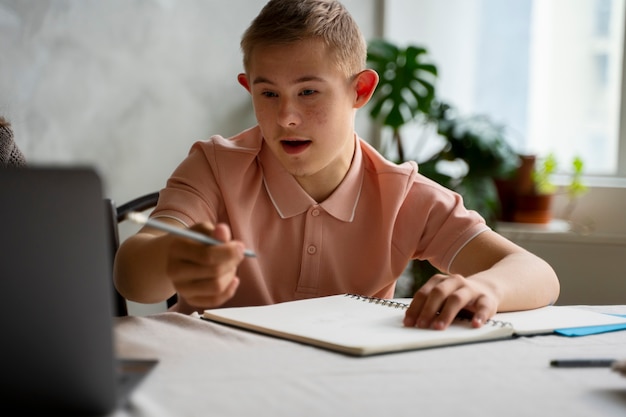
(435,223)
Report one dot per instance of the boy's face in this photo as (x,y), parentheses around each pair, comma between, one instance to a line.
(305,107)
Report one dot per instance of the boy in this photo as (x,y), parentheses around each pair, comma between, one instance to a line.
(324,212)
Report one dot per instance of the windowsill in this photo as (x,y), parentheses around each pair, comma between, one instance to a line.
(593,181)
(559,231)
(554,227)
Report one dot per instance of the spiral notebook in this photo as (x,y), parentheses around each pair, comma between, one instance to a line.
(360,326)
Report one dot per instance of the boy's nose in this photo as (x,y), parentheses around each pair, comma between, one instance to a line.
(288,115)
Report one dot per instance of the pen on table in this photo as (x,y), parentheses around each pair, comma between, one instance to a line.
(142,219)
(582,363)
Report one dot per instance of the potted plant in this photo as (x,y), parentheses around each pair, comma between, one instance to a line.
(534,204)
(406,93)
(481,147)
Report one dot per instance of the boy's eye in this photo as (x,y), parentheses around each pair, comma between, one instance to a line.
(307,92)
(269,94)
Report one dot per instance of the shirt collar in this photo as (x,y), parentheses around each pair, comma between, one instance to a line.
(290,199)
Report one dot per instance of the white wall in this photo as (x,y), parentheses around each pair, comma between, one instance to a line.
(127,86)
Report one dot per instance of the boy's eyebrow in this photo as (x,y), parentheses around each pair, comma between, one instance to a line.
(306,78)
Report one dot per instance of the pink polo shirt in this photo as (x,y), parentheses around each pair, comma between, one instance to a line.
(359,240)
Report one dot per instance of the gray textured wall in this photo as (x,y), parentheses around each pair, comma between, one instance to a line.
(127,85)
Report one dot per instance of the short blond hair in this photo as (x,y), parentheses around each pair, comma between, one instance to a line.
(288,21)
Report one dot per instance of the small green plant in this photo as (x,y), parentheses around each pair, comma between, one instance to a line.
(543,173)
(576,188)
(542,177)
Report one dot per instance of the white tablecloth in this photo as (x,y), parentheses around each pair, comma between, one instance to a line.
(207,369)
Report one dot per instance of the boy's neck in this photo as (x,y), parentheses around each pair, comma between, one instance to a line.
(321,185)
(319,191)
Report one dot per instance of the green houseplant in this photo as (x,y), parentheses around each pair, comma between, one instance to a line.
(407,93)
(481,147)
(406,88)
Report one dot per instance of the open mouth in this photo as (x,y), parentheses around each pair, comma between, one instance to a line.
(295,146)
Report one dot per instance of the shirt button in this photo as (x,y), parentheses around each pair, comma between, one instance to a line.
(315,212)
(311,250)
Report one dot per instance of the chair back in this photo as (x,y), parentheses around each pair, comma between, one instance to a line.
(117,214)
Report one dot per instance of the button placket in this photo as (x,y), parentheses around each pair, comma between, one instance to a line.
(309,273)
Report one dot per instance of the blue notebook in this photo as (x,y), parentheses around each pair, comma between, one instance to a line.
(588,330)
(562,320)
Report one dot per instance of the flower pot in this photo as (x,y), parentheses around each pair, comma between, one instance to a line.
(510,189)
(533,208)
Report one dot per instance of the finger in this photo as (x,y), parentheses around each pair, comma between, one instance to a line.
(206,294)
(191,257)
(222,232)
(205,275)
(452,306)
(432,299)
(436,303)
(223,256)
(484,309)
(419,301)
(204,228)
(415,309)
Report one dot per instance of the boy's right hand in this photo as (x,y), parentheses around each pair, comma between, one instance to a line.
(204,275)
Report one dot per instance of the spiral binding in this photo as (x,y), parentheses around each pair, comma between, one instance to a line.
(379,301)
(404,306)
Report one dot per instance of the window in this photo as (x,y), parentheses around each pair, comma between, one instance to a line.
(550,70)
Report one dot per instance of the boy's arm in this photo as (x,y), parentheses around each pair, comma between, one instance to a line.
(152,265)
(488,275)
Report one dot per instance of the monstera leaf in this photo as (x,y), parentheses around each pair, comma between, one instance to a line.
(406,88)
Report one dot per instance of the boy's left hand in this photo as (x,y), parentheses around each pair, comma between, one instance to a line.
(442,297)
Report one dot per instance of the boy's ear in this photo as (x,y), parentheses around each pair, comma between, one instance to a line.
(243,80)
(365,85)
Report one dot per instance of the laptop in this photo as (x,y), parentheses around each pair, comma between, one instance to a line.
(57,297)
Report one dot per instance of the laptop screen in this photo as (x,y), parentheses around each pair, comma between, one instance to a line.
(55,270)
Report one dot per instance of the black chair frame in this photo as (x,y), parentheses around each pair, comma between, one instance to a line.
(117,215)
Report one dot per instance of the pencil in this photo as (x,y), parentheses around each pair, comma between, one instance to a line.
(582,363)
(142,219)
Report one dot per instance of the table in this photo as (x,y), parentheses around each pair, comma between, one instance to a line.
(207,369)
